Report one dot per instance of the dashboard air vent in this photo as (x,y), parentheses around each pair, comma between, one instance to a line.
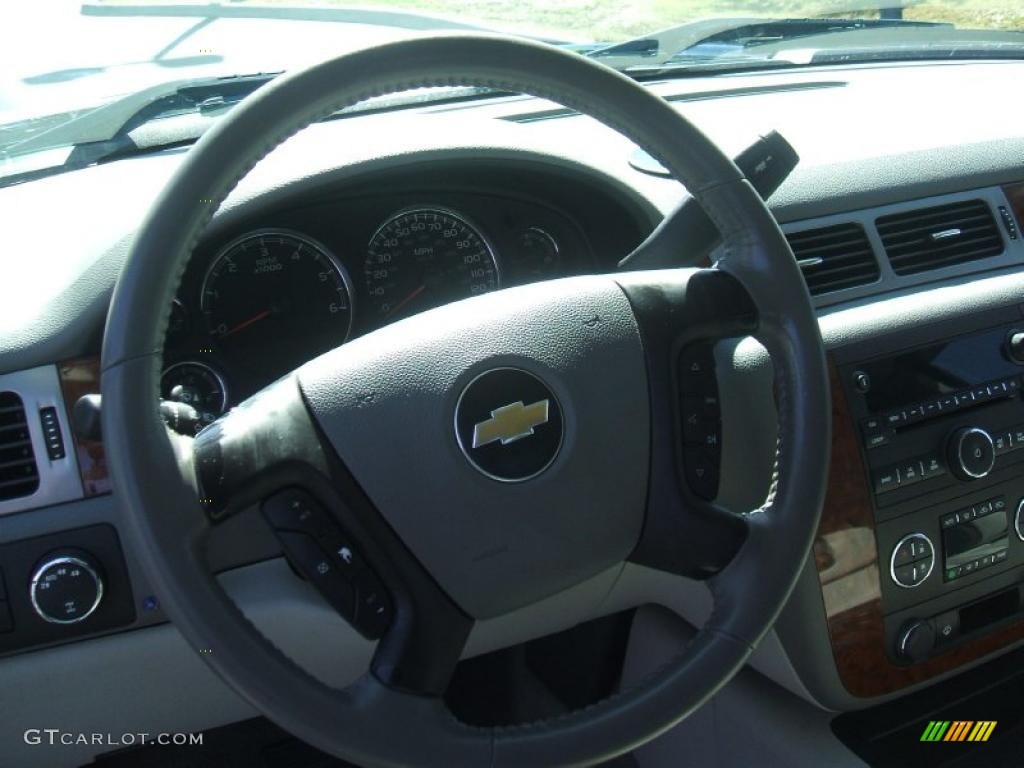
(19,475)
(834,257)
(930,238)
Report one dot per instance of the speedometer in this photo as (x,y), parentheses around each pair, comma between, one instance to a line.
(274,299)
(424,257)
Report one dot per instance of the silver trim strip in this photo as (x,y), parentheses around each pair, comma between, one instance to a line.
(59,480)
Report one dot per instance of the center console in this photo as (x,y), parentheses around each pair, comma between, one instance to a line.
(921,548)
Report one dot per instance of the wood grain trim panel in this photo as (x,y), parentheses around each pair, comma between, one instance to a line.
(847,563)
(77,378)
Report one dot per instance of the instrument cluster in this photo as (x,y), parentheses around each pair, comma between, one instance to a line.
(259,302)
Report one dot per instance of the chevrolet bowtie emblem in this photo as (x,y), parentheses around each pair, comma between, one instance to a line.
(510,423)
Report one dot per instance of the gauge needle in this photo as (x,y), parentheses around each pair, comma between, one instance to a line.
(246,323)
(407,299)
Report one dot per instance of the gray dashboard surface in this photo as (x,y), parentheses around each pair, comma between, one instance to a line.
(866,136)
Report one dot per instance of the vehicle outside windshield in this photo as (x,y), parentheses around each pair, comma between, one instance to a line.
(77,79)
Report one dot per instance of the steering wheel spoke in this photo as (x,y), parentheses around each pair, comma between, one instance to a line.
(268,452)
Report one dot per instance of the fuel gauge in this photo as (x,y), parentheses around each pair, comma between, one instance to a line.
(539,254)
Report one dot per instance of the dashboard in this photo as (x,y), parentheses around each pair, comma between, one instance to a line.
(279,289)
(359,222)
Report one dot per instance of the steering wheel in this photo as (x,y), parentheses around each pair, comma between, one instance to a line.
(533,434)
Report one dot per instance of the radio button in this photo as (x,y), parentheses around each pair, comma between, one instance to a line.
(1017,433)
(947,403)
(896,419)
(915,412)
(911,473)
(931,408)
(985,508)
(887,480)
(999,504)
(931,467)
(950,520)
(1003,443)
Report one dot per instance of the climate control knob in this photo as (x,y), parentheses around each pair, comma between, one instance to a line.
(916,640)
(66,588)
(972,454)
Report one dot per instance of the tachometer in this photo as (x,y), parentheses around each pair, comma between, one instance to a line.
(274,299)
(424,257)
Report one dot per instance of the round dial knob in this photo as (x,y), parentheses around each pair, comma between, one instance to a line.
(916,640)
(66,588)
(972,453)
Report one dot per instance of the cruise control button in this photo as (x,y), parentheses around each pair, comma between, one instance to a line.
(320,569)
(374,613)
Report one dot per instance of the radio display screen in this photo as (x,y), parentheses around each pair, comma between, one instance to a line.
(975,540)
(936,370)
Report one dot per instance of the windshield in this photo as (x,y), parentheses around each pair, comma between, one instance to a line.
(138,60)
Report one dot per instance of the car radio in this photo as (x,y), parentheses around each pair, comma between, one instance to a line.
(941,427)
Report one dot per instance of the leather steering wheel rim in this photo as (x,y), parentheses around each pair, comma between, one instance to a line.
(371,723)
